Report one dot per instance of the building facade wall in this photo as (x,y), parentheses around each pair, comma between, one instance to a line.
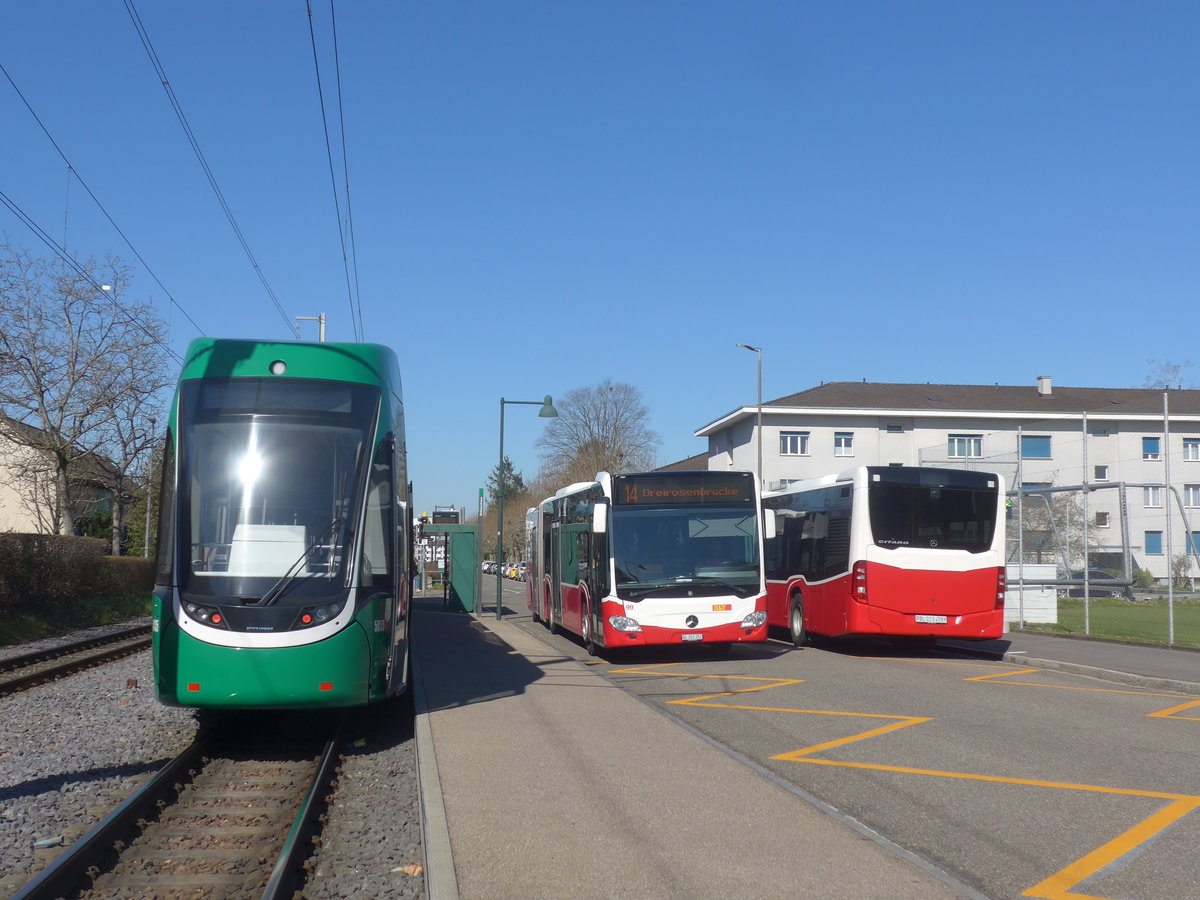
(1113,450)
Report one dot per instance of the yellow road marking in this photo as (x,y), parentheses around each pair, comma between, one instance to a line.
(1059,885)
(1170,713)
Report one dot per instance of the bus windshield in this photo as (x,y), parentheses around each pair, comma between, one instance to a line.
(685,551)
(937,517)
(269,473)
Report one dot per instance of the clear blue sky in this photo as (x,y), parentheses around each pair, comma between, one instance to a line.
(547,194)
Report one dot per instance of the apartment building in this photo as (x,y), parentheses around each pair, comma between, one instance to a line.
(1136,449)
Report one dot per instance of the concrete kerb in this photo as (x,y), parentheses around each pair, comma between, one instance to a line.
(1140,681)
(441,880)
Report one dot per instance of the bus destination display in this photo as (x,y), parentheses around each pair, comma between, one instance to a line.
(692,487)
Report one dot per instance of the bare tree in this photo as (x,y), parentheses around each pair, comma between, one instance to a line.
(1165,374)
(600,428)
(80,376)
(1054,531)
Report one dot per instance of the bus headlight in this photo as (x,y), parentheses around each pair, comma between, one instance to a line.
(755,619)
(624,623)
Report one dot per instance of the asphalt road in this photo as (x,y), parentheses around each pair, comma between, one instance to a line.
(1017,781)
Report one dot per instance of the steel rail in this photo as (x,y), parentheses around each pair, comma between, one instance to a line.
(42,676)
(74,867)
(12,663)
(294,851)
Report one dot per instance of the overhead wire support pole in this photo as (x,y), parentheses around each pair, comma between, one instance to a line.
(319,319)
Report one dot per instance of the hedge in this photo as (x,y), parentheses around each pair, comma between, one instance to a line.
(54,570)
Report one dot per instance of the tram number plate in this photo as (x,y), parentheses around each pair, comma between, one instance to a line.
(693,637)
(931,620)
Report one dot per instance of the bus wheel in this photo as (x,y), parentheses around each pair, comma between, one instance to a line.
(589,643)
(796,621)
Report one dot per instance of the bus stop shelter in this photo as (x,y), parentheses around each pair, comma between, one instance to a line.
(462,584)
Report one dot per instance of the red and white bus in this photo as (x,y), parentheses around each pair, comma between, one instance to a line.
(651,558)
(889,551)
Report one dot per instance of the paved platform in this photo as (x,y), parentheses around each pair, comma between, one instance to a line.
(525,798)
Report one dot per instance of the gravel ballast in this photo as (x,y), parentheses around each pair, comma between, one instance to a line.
(72,750)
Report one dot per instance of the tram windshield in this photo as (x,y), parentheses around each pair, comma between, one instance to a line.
(685,551)
(270,473)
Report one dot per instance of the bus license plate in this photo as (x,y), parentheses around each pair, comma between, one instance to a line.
(931,620)
(693,637)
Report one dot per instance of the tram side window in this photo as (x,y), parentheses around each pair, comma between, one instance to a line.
(165,543)
(377,534)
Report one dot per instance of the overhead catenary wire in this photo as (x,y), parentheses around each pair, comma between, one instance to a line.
(144,36)
(72,171)
(83,273)
(355,313)
(337,69)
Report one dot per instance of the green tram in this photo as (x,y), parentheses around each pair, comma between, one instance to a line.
(284,537)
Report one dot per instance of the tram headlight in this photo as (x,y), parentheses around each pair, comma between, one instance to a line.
(624,623)
(317,615)
(755,619)
(205,615)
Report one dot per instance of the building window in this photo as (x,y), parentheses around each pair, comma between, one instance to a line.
(1099,431)
(1150,448)
(1154,543)
(1152,496)
(1191,495)
(965,446)
(1101,473)
(843,443)
(895,429)
(1191,448)
(793,443)
(1035,447)
(1102,520)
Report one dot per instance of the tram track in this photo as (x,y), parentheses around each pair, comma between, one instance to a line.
(231,816)
(18,673)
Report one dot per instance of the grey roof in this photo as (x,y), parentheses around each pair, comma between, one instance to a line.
(699,461)
(1114,402)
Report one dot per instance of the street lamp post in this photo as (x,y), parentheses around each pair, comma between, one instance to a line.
(758,426)
(547,411)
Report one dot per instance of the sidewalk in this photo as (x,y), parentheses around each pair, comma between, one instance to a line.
(1140,665)
(526,798)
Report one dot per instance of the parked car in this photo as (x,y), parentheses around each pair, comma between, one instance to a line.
(1099,585)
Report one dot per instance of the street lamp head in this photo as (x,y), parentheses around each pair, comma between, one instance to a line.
(748,347)
(548,411)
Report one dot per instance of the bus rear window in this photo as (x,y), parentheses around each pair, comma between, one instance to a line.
(943,518)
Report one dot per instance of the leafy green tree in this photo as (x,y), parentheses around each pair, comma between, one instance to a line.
(504,478)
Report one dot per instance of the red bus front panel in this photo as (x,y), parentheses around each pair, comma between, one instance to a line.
(717,622)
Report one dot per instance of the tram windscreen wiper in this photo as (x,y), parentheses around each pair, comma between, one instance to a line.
(275,591)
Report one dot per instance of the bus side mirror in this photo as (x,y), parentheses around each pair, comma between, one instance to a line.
(600,518)
(768,524)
